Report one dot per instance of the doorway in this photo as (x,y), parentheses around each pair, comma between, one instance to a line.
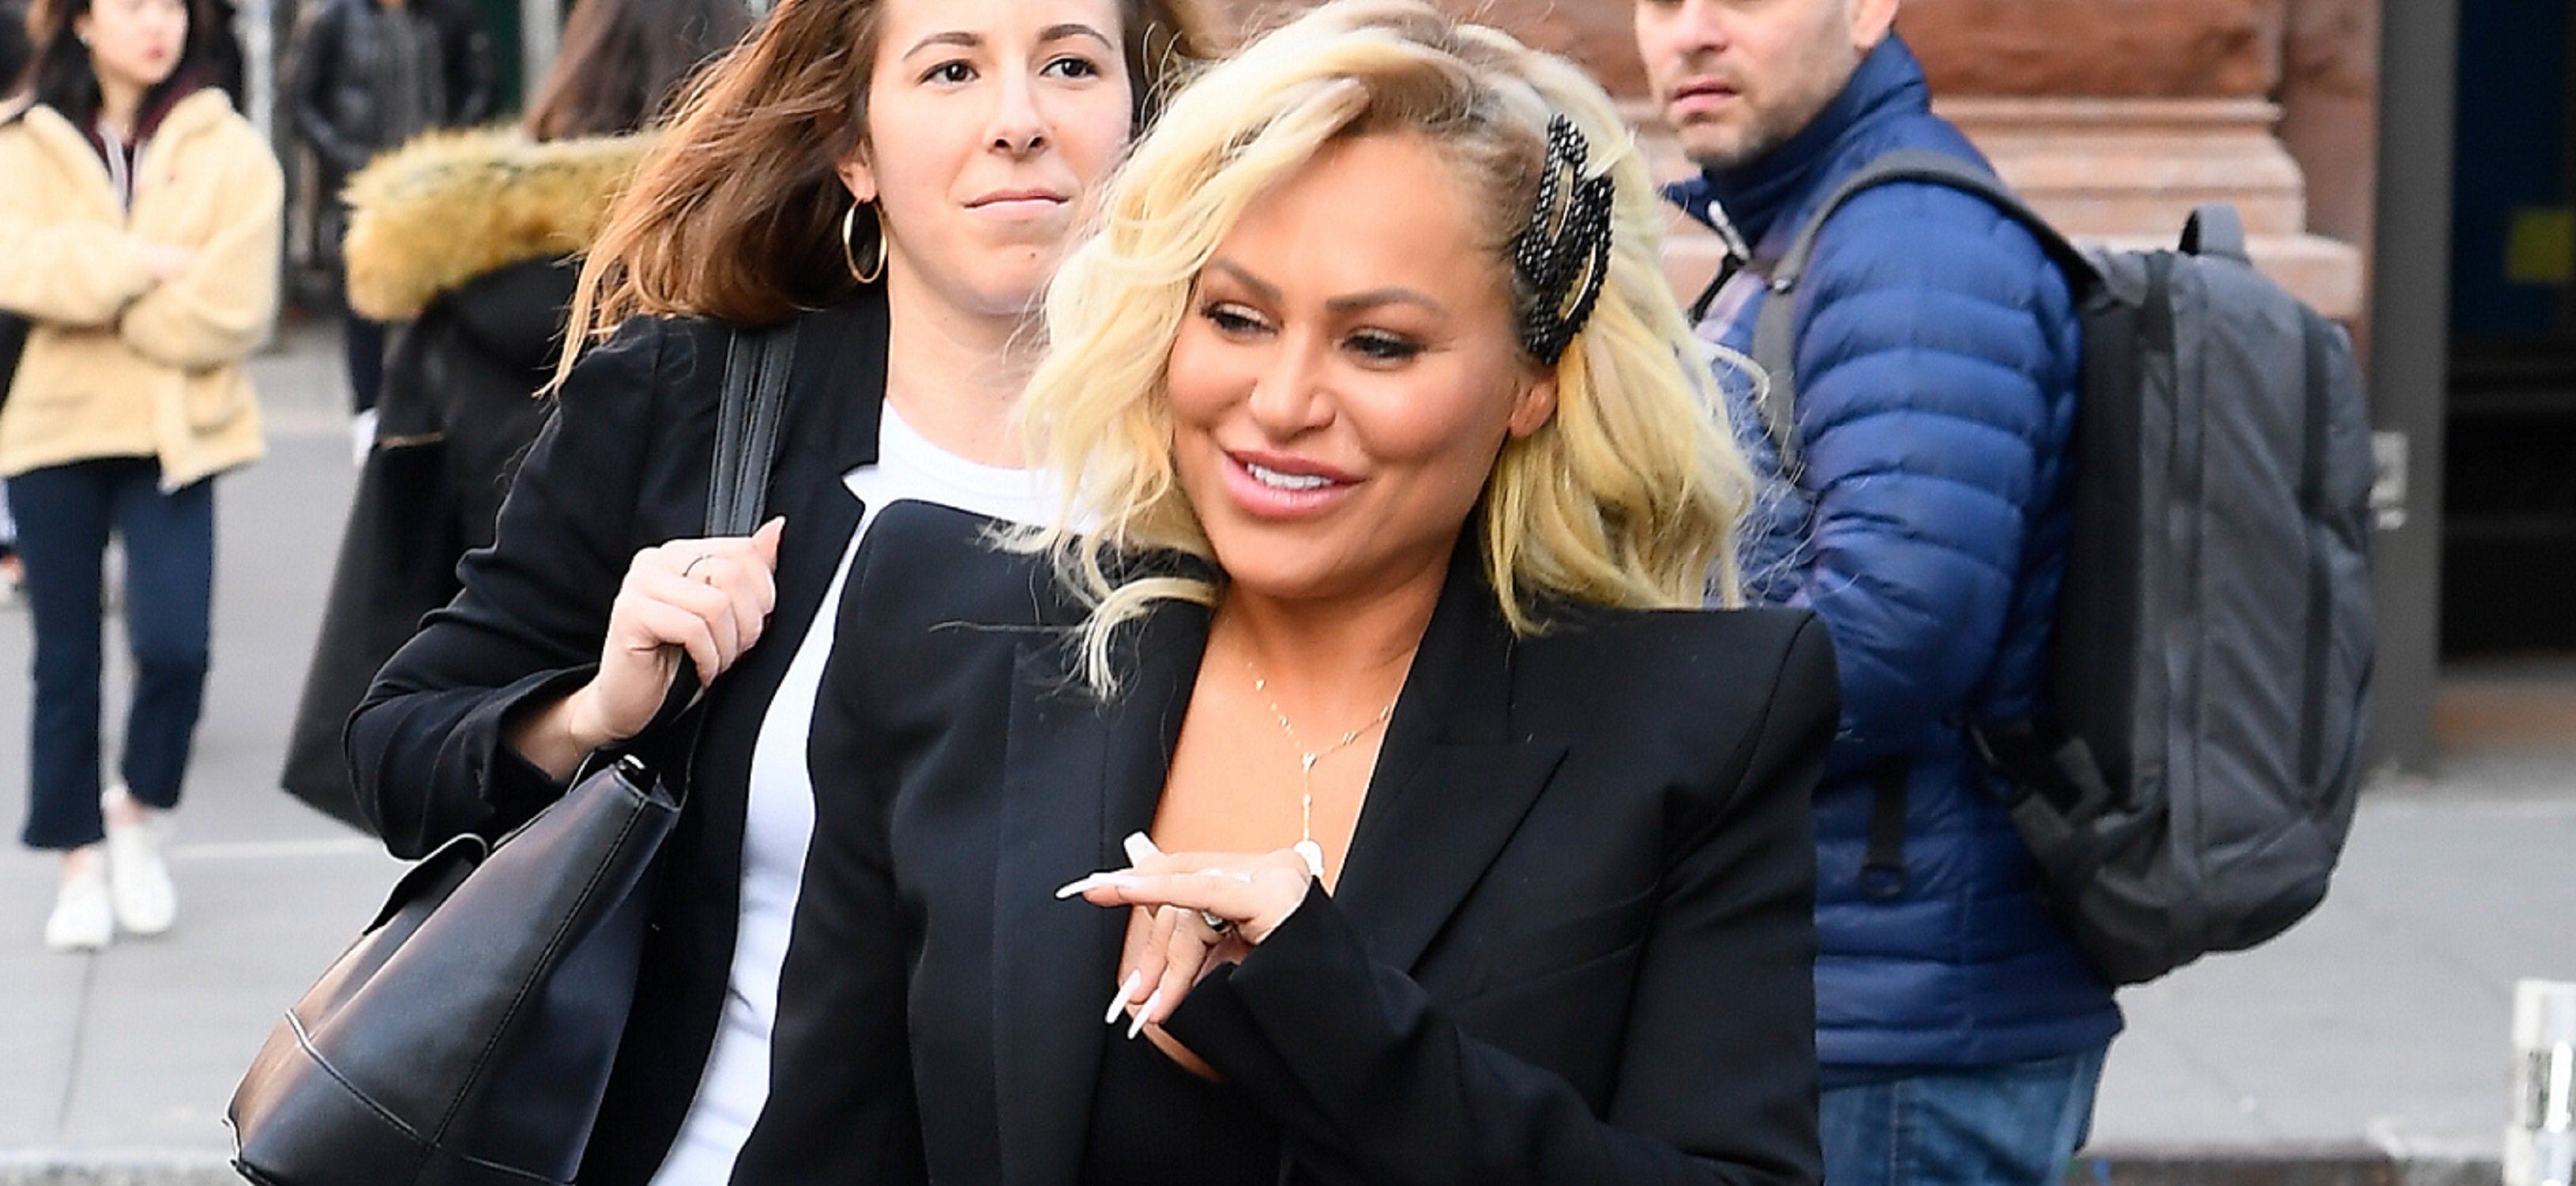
(2509,524)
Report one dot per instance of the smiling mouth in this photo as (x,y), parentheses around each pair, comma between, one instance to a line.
(1277,480)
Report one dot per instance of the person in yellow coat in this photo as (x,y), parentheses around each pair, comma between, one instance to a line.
(139,237)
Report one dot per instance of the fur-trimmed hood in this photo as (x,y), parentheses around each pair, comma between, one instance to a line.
(451,206)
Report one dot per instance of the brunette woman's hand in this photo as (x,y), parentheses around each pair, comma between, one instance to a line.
(1191,912)
(167,261)
(705,601)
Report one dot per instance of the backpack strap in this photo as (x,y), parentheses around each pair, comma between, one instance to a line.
(1775,328)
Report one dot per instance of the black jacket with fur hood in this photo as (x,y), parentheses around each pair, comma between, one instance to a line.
(467,240)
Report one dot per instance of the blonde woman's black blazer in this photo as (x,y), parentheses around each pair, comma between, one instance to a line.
(1573,942)
(623,465)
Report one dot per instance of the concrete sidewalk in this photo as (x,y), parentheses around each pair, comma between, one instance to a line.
(2370,1043)
(2367,1045)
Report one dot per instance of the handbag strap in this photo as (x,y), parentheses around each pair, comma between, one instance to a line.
(755,400)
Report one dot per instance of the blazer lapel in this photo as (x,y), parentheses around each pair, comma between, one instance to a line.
(1078,777)
(1452,783)
(840,355)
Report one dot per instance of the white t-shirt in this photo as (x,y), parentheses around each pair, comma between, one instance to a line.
(781,814)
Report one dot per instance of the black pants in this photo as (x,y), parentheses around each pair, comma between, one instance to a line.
(65,514)
(366,344)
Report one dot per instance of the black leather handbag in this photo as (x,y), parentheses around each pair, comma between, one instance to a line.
(466,1037)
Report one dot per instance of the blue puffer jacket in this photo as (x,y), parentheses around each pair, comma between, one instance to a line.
(1937,356)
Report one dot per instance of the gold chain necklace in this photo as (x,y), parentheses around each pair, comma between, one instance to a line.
(1306,848)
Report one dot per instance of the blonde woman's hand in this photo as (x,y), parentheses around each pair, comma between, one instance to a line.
(1191,912)
(702,601)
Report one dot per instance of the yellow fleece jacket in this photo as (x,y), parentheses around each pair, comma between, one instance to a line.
(119,363)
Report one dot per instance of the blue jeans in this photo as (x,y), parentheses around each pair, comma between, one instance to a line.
(65,513)
(2015,1124)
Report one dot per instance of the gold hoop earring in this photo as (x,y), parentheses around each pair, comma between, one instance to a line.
(849,220)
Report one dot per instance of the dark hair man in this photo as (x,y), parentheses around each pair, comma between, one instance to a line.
(368,75)
(1925,520)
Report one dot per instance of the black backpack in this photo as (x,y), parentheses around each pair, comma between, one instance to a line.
(2209,669)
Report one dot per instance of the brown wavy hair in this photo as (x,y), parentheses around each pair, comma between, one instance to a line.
(735,215)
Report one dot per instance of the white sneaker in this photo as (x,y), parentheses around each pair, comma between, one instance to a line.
(82,919)
(362,436)
(138,880)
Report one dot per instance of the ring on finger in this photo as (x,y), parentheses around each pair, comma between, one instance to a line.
(694,562)
(1217,922)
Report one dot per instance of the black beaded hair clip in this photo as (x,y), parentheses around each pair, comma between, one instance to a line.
(1564,253)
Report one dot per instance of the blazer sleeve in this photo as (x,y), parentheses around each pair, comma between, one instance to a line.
(217,311)
(426,746)
(1932,376)
(1717,1080)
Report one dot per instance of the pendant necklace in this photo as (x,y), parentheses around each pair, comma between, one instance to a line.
(1306,848)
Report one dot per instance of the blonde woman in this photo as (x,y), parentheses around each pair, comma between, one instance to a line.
(1365,761)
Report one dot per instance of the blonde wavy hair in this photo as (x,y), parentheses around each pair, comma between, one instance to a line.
(1628,496)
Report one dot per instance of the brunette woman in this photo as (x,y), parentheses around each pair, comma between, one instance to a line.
(139,235)
(1363,760)
(897,177)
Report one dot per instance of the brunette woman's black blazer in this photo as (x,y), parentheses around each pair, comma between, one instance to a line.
(623,465)
(1574,942)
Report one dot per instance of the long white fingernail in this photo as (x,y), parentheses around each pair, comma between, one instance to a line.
(1126,989)
(1085,884)
(1144,1011)
(1139,847)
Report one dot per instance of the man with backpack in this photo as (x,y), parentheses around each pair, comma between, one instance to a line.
(1915,498)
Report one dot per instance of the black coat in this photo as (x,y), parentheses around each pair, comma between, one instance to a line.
(459,410)
(623,465)
(467,372)
(1573,941)
(463,242)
